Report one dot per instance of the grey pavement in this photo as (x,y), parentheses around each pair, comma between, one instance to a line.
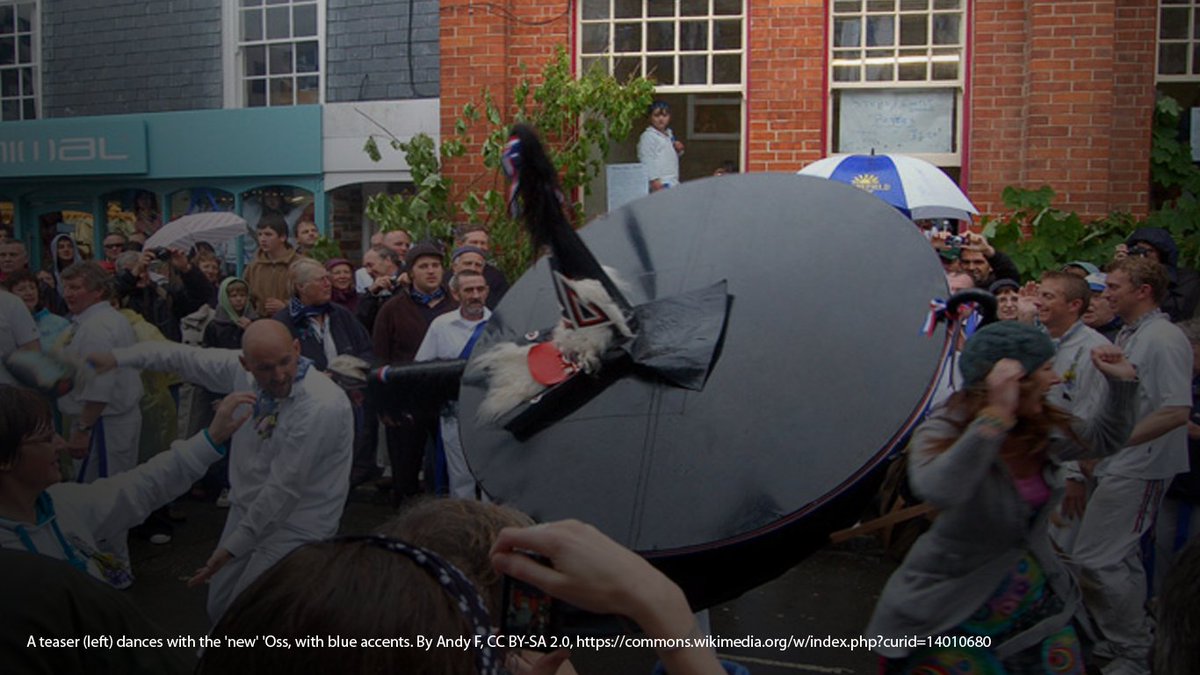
(831,593)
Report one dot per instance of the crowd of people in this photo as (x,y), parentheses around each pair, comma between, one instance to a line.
(1056,450)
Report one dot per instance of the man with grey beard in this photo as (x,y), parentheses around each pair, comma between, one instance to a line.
(452,336)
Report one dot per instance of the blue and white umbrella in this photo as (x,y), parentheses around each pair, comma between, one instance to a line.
(919,189)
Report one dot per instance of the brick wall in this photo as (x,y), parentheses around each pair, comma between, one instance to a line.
(785,77)
(484,46)
(1062,94)
(127,56)
(369,56)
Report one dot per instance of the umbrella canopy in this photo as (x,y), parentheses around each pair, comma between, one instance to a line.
(916,187)
(212,227)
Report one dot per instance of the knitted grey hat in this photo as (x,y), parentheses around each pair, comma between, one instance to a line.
(1003,340)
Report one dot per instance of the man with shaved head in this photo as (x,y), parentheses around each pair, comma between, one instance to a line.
(289,466)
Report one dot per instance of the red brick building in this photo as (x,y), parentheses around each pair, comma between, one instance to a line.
(996,92)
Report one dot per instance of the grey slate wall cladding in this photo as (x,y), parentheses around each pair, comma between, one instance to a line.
(108,57)
(367,55)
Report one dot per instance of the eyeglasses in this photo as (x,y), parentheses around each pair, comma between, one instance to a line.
(1139,251)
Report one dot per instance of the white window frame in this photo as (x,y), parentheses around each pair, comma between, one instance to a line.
(35,55)
(232,55)
(644,53)
(957,84)
(1191,40)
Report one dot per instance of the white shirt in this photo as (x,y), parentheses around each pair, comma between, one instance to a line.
(362,280)
(447,335)
(89,512)
(1163,358)
(1083,389)
(100,328)
(17,327)
(296,479)
(656,151)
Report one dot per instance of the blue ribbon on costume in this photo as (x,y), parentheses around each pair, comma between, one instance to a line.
(938,313)
(510,160)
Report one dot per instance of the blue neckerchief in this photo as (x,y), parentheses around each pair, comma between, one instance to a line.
(266,407)
(301,312)
(426,298)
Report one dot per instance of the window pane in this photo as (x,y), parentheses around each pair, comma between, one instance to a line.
(304,20)
(946,29)
(727,69)
(1174,24)
(628,37)
(727,34)
(693,7)
(842,6)
(8,53)
(914,5)
(27,81)
(29,109)
(7,21)
(1195,58)
(595,62)
(281,59)
(256,93)
(913,71)
(281,91)
(11,110)
(947,4)
(278,2)
(693,70)
(595,9)
(251,3)
(881,31)
(945,71)
(845,73)
(1172,59)
(25,17)
(881,5)
(726,7)
(661,69)
(252,25)
(660,36)
(880,72)
(277,23)
(10,84)
(847,33)
(307,57)
(308,90)
(256,60)
(914,29)
(626,67)
(661,8)
(25,48)
(628,9)
(595,38)
(693,36)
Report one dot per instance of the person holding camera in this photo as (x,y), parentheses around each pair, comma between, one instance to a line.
(161,300)
(384,266)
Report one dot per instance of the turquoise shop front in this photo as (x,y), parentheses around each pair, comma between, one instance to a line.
(91,176)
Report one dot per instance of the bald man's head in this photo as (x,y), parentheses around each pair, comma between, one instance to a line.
(13,256)
(271,355)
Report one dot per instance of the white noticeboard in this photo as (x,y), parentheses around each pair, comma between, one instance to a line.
(896,121)
(626,182)
(1195,134)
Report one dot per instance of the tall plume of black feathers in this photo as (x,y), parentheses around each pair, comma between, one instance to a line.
(543,210)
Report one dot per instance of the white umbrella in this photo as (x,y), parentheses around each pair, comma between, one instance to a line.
(212,227)
(916,187)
